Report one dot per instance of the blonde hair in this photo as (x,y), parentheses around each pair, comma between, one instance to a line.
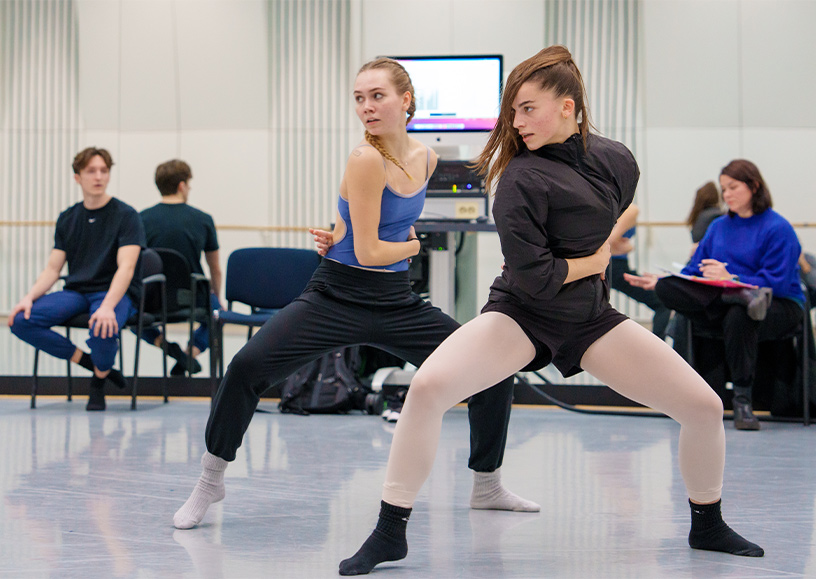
(402,82)
(553,69)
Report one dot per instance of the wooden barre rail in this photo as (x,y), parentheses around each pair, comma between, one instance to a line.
(290,228)
(279,228)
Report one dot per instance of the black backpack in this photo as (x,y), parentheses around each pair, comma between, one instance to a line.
(328,385)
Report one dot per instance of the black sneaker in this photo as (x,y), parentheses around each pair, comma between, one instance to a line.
(757,301)
(180,368)
(96,395)
(744,418)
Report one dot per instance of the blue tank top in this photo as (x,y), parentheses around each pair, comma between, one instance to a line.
(397,214)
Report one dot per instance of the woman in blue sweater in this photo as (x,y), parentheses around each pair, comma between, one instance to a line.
(752,244)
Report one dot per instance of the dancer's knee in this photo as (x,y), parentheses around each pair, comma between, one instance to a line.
(20,325)
(707,408)
(245,366)
(427,392)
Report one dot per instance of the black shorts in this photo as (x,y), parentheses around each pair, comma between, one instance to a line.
(556,341)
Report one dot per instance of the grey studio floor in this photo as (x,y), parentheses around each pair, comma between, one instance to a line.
(92,495)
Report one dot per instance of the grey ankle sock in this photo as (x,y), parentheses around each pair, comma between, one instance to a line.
(488,493)
(208,490)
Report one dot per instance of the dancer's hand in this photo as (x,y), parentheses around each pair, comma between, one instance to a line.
(323,240)
(646,281)
(713,269)
(103,323)
(24,305)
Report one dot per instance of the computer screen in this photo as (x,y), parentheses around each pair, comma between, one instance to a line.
(455,93)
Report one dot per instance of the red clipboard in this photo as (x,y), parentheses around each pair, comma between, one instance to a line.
(728,283)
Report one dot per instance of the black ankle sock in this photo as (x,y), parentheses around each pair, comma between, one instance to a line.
(386,543)
(86,362)
(182,358)
(115,376)
(173,350)
(710,533)
(96,394)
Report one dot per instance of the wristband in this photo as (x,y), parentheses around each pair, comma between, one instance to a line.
(413,239)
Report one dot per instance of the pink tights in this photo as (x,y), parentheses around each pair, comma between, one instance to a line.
(629,358)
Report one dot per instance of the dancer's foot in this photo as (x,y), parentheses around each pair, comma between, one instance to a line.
(208,490)
(744,418)
(756,300)
(180,368)
(182,359)
(488,493)
(710,533)
(386,543)
(96,394)
(115,376)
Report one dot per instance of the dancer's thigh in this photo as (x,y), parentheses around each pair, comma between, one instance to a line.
(481,353)
(636,363)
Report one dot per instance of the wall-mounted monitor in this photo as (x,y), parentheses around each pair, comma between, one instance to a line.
(458,93)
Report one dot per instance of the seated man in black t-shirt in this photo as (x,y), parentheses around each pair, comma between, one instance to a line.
(173,224)
(100,239)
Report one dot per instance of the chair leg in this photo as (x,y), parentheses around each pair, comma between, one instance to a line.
(135,382)
(190,341)
(35,379)
(805,347)
(214,348)
(70,378)
(220,339)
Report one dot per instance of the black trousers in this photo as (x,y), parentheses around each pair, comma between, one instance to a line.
(662,314)
(345,306)
(703,306)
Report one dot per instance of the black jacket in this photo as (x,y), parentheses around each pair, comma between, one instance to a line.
(555,203)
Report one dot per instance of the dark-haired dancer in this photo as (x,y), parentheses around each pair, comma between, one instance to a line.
(755,245)
(360,294)
(560,191)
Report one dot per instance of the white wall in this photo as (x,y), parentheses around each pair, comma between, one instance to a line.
(197,79)
(189,80)
(726,79)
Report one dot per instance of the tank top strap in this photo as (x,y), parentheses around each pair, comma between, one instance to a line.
(375,148)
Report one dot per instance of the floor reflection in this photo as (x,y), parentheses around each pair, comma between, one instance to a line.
(92,495)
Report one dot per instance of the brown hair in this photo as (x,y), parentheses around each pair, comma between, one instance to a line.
(402,83)
(170,175)
(748,173)
(707,196)
(553,69)
(85,155)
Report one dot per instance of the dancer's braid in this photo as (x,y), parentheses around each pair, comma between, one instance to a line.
(375,142)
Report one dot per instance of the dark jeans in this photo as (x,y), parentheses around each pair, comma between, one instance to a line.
(344,306)
(57,308)
(702,305)
(660,321)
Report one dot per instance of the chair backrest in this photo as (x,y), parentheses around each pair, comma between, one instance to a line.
(177,270)
(269,277)
(150,263)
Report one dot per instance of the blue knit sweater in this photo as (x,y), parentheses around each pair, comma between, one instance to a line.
(762,250)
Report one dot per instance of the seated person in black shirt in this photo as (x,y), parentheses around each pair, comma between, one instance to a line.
(100,239)
(173,224)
